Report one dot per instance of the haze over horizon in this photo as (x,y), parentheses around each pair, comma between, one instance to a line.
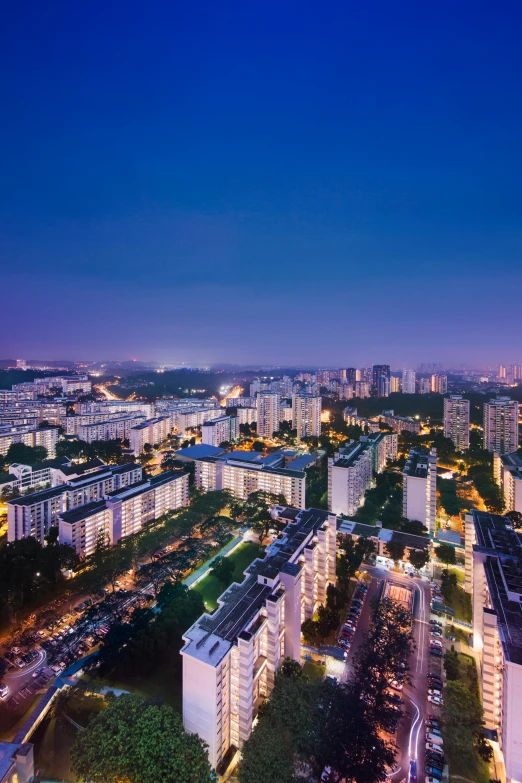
(306,186)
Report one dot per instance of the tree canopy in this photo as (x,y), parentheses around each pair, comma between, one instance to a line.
(139,742)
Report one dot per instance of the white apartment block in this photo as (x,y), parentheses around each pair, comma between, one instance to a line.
(220,430)
(152,431)
(241,402)
(52,472)
(267,413)
(285,410)
(187,418)
(349,476)
(72,424)
(109,430)
(419,500)
(439,384)
(306,415)
(352,418)
(385,447)
(501,425)
(408,382)
(400,423)
(47,438)
(122,512)
(246,415)
(493,577)
(244,472)
(456,421)
(362,389)
(33,515)
(146,409)
(424,386)
(507,469)
(230,658)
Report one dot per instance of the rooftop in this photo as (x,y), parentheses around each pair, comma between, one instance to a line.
(83,512)
(503,567)
(418,462)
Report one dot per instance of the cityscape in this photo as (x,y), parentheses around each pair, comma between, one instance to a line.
(257,569)
(261,392)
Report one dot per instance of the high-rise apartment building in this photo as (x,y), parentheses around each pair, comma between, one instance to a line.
(439,384)
(306,415)
(150,431)
(424,386)
(349,374)
(395,384)
(419,501)
(381,380)
(362,389)
(267,413)
(507,469)
(349,476)
(220,430)
(493,557)
(230,658)
(501,425)
(456,421)
(408,382)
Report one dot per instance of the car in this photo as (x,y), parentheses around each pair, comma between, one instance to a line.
(433,772)
(435,730)
(437,763)
(436,643)
(396,685)
(433,739)
(41,634)
(4,690)
(433,723)
(428,779)
(34,653)
(436,700)
(435,634)
(37,672)
(19,663)
(435,684)
(413,771)
(16,650)
(436,651)
(434,691)
(435,756)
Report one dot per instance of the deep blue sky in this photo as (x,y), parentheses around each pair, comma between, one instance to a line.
(337,182)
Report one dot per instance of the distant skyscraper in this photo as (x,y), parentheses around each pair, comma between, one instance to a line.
(456,421)
(267,413)
(350,373)
(306,415)
(408,382)
(381,380)
(21,364)
(255,386)
(439,384)
(424,386)
(502,373)
(501,425)
(395,384)
(362,389)
(516,371)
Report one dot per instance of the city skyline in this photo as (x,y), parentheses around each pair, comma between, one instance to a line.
(335,174)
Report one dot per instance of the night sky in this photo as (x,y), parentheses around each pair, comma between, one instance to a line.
(279,182)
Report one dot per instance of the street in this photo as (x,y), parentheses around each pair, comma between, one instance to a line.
(410,734)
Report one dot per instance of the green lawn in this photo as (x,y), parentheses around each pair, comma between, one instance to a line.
(461,603)
(210,588)
(459,573)
(314,670)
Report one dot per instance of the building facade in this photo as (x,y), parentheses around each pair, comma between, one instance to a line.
(349,476)
(224,429)
(456,421)
(507,469)
(493,577)
(230,658)
(501,425)
(408,382)
(306,415)
(267,413)
(419,501)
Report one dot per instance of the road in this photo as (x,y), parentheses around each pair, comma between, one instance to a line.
(410,735)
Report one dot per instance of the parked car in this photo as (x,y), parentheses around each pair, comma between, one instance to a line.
(4,690)
(433,691)
(433,772)
(435,700)
(434,755)
(436,651)
(433,739)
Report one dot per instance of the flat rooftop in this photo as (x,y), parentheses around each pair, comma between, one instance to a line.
(503,567)
(83,512)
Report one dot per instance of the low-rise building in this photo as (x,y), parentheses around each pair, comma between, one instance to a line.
(230,658)
(113,429)
(47,438)
(400,423)
(381,536)
(352,418)
(494,579)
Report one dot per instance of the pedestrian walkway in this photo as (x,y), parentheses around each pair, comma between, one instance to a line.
(203,570)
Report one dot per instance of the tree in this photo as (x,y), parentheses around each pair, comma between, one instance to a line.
(419,558)
(327,620)
(27,455)
(309,631)
(266,756)
(462,717)
(156,747)
(446,554)
(74,449)
(258,445)
(291,669)
(223,569)
(395,549)
(414,527)
(451,665)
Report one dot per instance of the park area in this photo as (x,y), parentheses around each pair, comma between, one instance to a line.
(210,588)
